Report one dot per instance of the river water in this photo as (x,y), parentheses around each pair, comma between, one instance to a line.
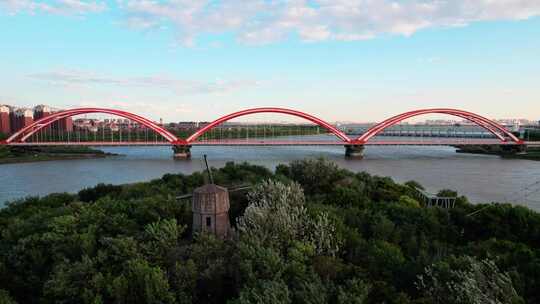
(482,178)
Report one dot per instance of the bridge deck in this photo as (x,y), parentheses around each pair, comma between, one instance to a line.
(442,142)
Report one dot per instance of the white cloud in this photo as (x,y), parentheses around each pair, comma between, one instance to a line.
(57,7)
(266,21)
(178,86)
(260,21)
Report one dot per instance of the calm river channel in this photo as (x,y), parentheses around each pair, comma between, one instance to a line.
(482,178)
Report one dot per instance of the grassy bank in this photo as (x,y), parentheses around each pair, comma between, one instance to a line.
(9,155)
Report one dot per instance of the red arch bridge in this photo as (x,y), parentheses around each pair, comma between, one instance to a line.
(353,145)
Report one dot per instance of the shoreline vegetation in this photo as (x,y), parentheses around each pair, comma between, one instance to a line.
(233,132)
(307,232)
(530,154)
(254,131)
(11,155)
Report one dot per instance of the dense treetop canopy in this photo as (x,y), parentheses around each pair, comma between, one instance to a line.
(309,232)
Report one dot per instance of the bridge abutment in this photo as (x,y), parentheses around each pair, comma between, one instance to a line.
(182,151)
(354,151)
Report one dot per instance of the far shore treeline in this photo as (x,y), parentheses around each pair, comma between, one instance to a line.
(309,232)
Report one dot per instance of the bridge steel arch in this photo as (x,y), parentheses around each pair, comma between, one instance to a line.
(26,132)
(338,133)
(398,118)
(496,129)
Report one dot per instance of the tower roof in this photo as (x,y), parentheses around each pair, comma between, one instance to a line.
(209,189)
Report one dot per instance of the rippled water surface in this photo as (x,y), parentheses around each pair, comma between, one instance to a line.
(480,177)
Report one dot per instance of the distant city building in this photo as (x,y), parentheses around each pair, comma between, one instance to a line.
(202,124)
(188,125)
(114,127)
(41,111)
(5,124)
(21,118)
(64,124)
(440,122)
(514,121)
(112,124)
(183,125)
(12,119)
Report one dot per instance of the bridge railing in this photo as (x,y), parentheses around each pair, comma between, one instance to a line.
(433,200)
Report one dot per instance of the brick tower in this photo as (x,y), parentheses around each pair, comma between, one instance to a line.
(210,207)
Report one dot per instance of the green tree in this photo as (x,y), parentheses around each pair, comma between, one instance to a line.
(466,280)
(317,176)
(5,298)
(354,291)
(141,283)
(161,238)
(276,215)
(77,282)
(132,244)
(268,292)
(407,201)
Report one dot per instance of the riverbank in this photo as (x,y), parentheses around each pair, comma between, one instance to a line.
(11,155)
(530,154)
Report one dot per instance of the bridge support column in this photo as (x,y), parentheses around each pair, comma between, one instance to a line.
(354,151)
(182,151)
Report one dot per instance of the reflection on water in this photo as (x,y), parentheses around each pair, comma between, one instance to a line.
(480,177)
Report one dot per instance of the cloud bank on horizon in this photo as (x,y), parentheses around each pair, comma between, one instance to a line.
(179,86)
(270,21)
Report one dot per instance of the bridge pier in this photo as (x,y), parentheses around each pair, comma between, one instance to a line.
(354,151)
(182,151)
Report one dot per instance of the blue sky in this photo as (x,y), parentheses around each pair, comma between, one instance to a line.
(361,60)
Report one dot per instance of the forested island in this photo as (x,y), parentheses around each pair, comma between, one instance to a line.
(308,232)
(9,155)
(529,153)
